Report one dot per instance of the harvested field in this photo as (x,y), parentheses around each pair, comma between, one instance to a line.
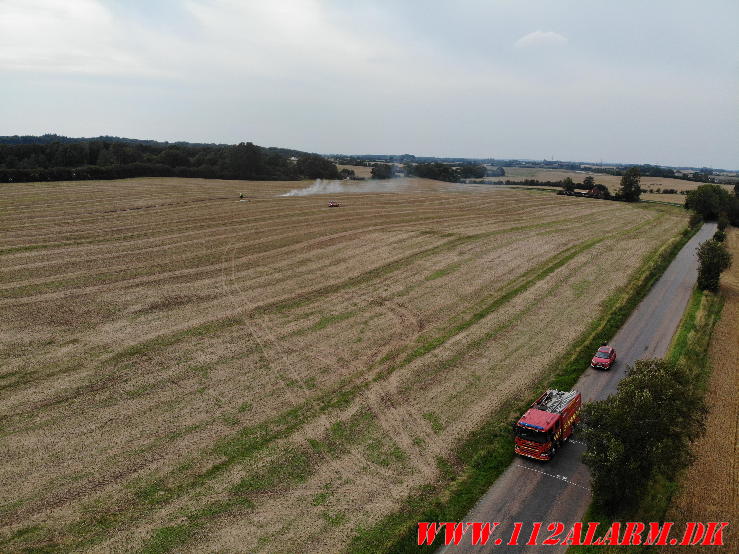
(184,370)
(709,489)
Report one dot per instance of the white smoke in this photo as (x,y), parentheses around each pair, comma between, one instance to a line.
(318,187)
(333,187)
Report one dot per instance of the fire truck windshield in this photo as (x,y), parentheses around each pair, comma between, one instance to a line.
(531,434)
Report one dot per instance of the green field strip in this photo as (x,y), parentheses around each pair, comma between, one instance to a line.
(251,440)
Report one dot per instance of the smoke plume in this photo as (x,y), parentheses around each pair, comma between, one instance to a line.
(333,187)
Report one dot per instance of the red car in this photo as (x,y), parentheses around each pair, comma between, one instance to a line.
(333,204)
(604,358)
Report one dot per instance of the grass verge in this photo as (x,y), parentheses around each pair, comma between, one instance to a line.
(483,456)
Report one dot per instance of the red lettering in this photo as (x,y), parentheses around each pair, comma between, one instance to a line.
(534,534)
(590,533)
(426,532)
(481,531)
(573,535)
(516,532)
(453,532)
(556,528)
(611,536)
(709,534)
(657,535)
(693,530)
(715,537)
(632,534)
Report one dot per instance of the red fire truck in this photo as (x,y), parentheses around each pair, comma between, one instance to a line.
(547,424)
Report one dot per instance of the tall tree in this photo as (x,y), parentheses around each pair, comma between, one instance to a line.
(708,200)
(568,184)
(714,258)
(648,424)
(382,171)
(589,182)
(314,166)
(630,190)
(106,157)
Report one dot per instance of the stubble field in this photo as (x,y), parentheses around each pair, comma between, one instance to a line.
(181,370)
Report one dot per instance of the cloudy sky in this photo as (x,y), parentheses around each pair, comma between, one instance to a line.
(633,81)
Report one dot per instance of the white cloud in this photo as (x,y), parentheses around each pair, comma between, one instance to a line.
(75,37)
(541,38)
(372,76)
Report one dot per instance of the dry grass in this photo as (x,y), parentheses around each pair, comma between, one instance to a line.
(709,490)
(181,368)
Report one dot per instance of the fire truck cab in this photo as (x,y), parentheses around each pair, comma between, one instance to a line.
(547,424)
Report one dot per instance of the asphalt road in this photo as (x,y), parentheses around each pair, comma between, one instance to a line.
(559,490)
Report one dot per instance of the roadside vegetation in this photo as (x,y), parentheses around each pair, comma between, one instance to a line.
(714,259)
(715,203)
(706,491)
(661,403)
(643,430)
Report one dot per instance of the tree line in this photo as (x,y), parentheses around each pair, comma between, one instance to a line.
(79,159)
(702,175)
(450,173)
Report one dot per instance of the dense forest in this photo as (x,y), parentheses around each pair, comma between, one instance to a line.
(435,170)
(55,158)
(449,172)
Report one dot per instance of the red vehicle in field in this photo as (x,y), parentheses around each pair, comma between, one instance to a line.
(604,358)
(333,204)
(549,422)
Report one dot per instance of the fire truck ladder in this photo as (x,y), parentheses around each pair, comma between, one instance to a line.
(554,401)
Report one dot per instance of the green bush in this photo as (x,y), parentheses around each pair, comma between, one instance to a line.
(647,425)
(695,219)
(714,258)
(709,201)
(723,221)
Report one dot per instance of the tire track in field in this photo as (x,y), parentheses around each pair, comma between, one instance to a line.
(374,399)
(358,397)
(377,396)
(300,298)
(100,385)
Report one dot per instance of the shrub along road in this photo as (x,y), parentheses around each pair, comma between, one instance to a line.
(559,490)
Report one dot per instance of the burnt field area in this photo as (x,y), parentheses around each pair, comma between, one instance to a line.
(180,369)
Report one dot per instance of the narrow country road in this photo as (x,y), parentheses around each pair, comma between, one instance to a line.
(530,491)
